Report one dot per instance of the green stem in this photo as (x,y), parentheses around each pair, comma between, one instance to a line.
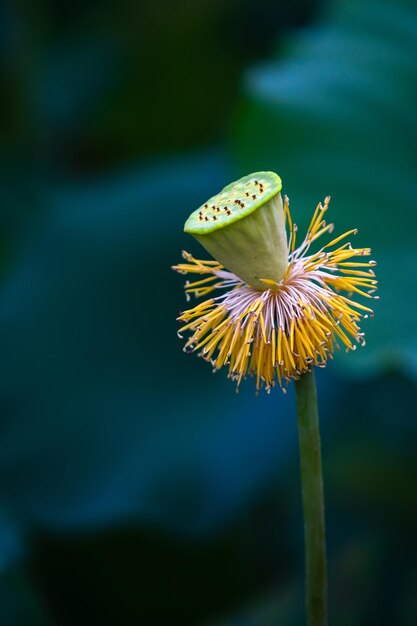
(313,501)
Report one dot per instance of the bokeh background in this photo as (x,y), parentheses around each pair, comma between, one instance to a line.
(135,486)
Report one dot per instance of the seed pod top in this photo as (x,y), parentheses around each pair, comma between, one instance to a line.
(236,201)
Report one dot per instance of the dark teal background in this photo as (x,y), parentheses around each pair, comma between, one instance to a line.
(135,486)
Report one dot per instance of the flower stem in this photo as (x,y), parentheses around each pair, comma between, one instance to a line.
(313,501)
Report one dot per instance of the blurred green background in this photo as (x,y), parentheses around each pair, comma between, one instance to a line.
(135,486)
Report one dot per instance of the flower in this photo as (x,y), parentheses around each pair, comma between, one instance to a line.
(277,324)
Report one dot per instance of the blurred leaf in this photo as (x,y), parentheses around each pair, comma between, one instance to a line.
(337,116)
(10,541)
(73,80)
(371,460)
(103,416)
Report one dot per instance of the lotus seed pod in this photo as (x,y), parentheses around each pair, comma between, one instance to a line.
(243,227)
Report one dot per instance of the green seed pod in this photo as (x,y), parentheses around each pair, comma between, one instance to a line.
(243,227)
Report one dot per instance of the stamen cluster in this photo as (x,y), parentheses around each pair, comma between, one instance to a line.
(277,334)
